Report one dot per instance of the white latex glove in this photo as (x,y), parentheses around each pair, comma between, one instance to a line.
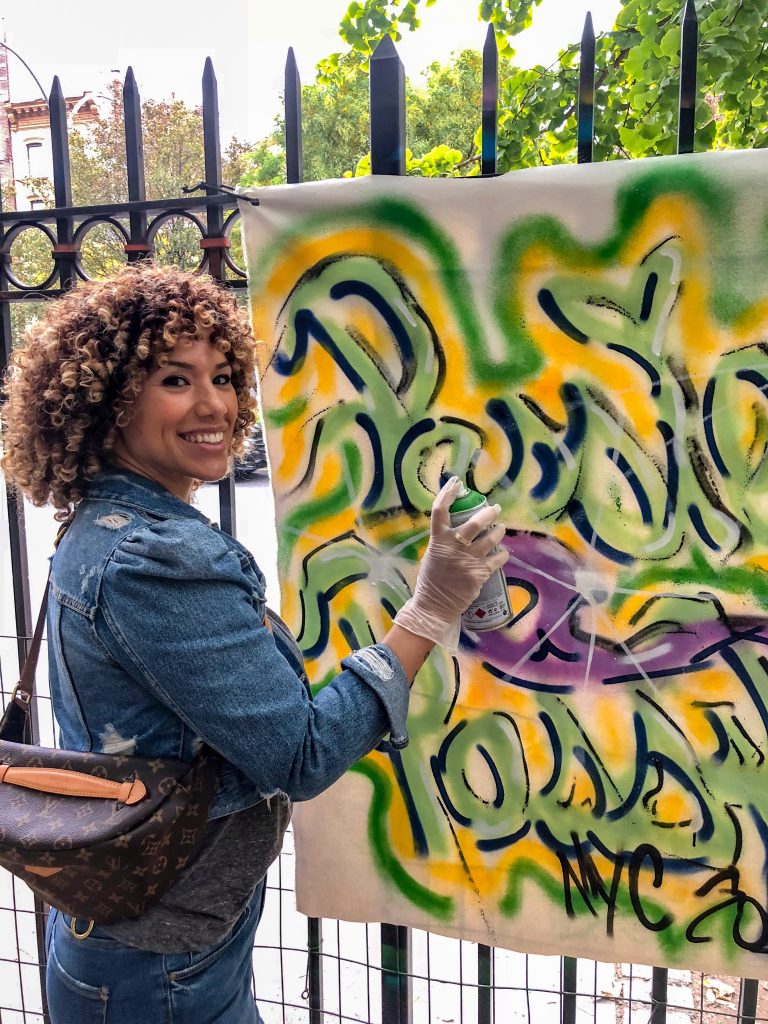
(451,572)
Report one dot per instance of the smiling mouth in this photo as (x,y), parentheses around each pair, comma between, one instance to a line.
(213,438)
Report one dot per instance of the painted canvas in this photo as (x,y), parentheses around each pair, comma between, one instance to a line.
(586,346)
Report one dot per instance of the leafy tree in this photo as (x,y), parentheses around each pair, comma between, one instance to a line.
(638,66)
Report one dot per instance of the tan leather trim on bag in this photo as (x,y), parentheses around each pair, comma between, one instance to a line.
(69,783)
(45,872)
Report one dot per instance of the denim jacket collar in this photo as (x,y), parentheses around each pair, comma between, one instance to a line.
(129,488)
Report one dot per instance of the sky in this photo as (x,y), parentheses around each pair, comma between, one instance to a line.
(166,42)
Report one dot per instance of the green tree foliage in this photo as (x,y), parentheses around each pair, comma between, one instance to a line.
(637,83)
(636,94)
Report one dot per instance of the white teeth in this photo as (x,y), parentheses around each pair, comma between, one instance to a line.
(204,438)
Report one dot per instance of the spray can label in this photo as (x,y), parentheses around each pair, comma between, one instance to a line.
(491,608)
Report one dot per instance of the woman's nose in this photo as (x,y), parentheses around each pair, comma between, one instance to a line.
(210,401)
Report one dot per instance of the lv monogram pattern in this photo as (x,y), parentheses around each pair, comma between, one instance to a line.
(96,858)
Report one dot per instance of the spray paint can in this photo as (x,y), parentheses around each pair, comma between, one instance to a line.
(491,608)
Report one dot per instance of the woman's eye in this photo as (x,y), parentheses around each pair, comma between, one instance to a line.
(174,381)
(223,379)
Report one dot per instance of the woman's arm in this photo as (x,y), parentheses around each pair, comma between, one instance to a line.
(410,650)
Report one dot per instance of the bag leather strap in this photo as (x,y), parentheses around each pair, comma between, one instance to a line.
(22,694)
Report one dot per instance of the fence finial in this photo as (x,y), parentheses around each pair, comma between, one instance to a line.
(689,40)
(490,103)
(134,163)
(294,151)
(387,84)
(585,130)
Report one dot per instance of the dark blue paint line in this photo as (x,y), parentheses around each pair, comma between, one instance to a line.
(550,471)
(323,601)
(408,438)
(709,427)
(347,631)
(420,843)
(752,635)
(698,525)
(756,378)
(557,753)
(648,295)
(489,845)
(500,412)
(526,684)
(577,417)
(548,303)
(377,484)
(671,767)
(762,831)
(581,522)
(729,655)
(641,768)
(632,479)
(648,367)
(587,762)
(499,800)
(447,802)
(660,673)
(673,471)
(718,729)
(365,291)
(306,326)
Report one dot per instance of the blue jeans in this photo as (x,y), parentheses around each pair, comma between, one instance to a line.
(98,980)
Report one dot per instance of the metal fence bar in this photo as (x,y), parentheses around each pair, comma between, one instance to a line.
(294,150)
(214,245)
(138,247)
(387,85)
(748,994)
(65,252)
(689,37)
(659,977)
(585,131)
(294,172)
(485,983)
(17,538)
(490,104)
(387,122)
(568,970)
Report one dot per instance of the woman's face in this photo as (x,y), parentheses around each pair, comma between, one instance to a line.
(183,419)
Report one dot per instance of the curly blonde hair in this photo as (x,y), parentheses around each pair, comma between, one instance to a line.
(71,386)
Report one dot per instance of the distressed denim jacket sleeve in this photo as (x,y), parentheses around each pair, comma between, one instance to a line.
(182,611)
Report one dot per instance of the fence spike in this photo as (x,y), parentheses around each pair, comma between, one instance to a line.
(62,184)
(689,37)
(387,105)
(585,130)
(294,148)
(490,103)
(134,162)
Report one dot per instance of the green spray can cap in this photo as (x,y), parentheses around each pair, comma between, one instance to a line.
(466,500)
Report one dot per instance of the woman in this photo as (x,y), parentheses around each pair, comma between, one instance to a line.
(125,396)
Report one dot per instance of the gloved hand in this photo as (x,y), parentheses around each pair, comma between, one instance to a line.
(456,564)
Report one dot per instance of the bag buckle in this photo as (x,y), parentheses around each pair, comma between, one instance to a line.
(21,695)
(79,935)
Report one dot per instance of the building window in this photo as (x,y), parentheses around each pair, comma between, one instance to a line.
(36,204)
(34,161)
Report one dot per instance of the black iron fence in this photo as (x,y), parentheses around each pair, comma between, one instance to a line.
(347,973)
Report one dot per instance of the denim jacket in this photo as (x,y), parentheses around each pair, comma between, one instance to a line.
(157,643)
